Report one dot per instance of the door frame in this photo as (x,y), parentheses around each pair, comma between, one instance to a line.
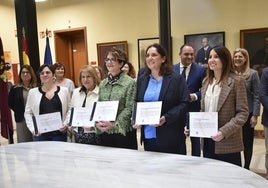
(64,54)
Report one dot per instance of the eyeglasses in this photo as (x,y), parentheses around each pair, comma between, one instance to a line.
(25,72)
(45,72)
(112,60)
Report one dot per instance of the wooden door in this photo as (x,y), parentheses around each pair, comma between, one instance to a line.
(71,50)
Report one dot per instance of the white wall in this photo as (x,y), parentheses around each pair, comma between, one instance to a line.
(7,32)
(106,21)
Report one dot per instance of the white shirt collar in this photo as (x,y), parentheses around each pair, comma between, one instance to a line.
(188,67)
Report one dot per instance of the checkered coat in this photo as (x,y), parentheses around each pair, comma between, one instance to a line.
(232,113)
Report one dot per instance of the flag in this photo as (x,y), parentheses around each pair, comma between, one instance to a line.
(48,57)
(25,52)
(6,118)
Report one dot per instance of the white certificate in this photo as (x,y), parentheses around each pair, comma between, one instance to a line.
(203,124)
(81,117)
(148,113)
(105,111)
(48,122)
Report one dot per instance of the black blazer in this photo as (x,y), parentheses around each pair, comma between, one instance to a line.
(16,102)
(175,99)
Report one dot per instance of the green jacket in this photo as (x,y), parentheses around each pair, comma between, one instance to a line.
(124,91)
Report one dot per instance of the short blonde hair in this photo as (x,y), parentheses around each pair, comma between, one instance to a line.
(91,70)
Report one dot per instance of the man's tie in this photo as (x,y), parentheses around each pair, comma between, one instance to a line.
(183,72)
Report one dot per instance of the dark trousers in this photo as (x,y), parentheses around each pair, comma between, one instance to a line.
(195,144)
(152,145)
(51,136)
(119,141)
(209,152)
(248,138)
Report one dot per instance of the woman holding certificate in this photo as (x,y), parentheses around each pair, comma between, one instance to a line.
(85,96)
(42,103)
(158,82)
(224,92)
(118,87)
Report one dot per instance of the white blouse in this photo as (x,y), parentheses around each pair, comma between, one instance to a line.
(212,97)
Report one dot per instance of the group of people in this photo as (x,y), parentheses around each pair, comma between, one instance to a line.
(227,86)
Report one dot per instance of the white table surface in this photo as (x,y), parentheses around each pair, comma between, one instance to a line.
(60,164)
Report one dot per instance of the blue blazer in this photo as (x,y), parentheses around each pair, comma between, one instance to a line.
(175,99)
(194,82)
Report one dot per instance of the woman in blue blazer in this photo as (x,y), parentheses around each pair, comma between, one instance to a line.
(158,82)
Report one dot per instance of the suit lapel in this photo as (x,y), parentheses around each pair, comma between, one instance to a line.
(203,94)
(142,87)
(225,90)
(191,73)
(165,85)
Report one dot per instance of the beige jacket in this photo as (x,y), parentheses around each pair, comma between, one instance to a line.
(232,113)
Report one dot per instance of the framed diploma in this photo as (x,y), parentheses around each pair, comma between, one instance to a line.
(47,122)
(104,111)
(203,124)
(146,113)
(80,117)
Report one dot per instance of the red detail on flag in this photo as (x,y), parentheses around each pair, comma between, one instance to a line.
(25,53)
(24,45)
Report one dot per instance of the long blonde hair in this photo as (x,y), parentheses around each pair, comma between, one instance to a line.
(246,67)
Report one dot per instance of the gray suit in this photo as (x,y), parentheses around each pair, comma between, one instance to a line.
(252,84)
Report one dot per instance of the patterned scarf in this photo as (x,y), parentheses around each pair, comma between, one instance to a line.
(113,79)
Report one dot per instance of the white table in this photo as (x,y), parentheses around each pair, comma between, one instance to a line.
(59,164)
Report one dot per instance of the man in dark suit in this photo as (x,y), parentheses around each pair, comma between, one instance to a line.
(264,102)
(194,75)
(203,53)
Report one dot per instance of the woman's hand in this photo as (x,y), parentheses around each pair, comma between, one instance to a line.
(136,126)
(104,125)
(218,137)
(162,121)
(63,128)
(253,121)
(89,128)
(186,131)
(36,134)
